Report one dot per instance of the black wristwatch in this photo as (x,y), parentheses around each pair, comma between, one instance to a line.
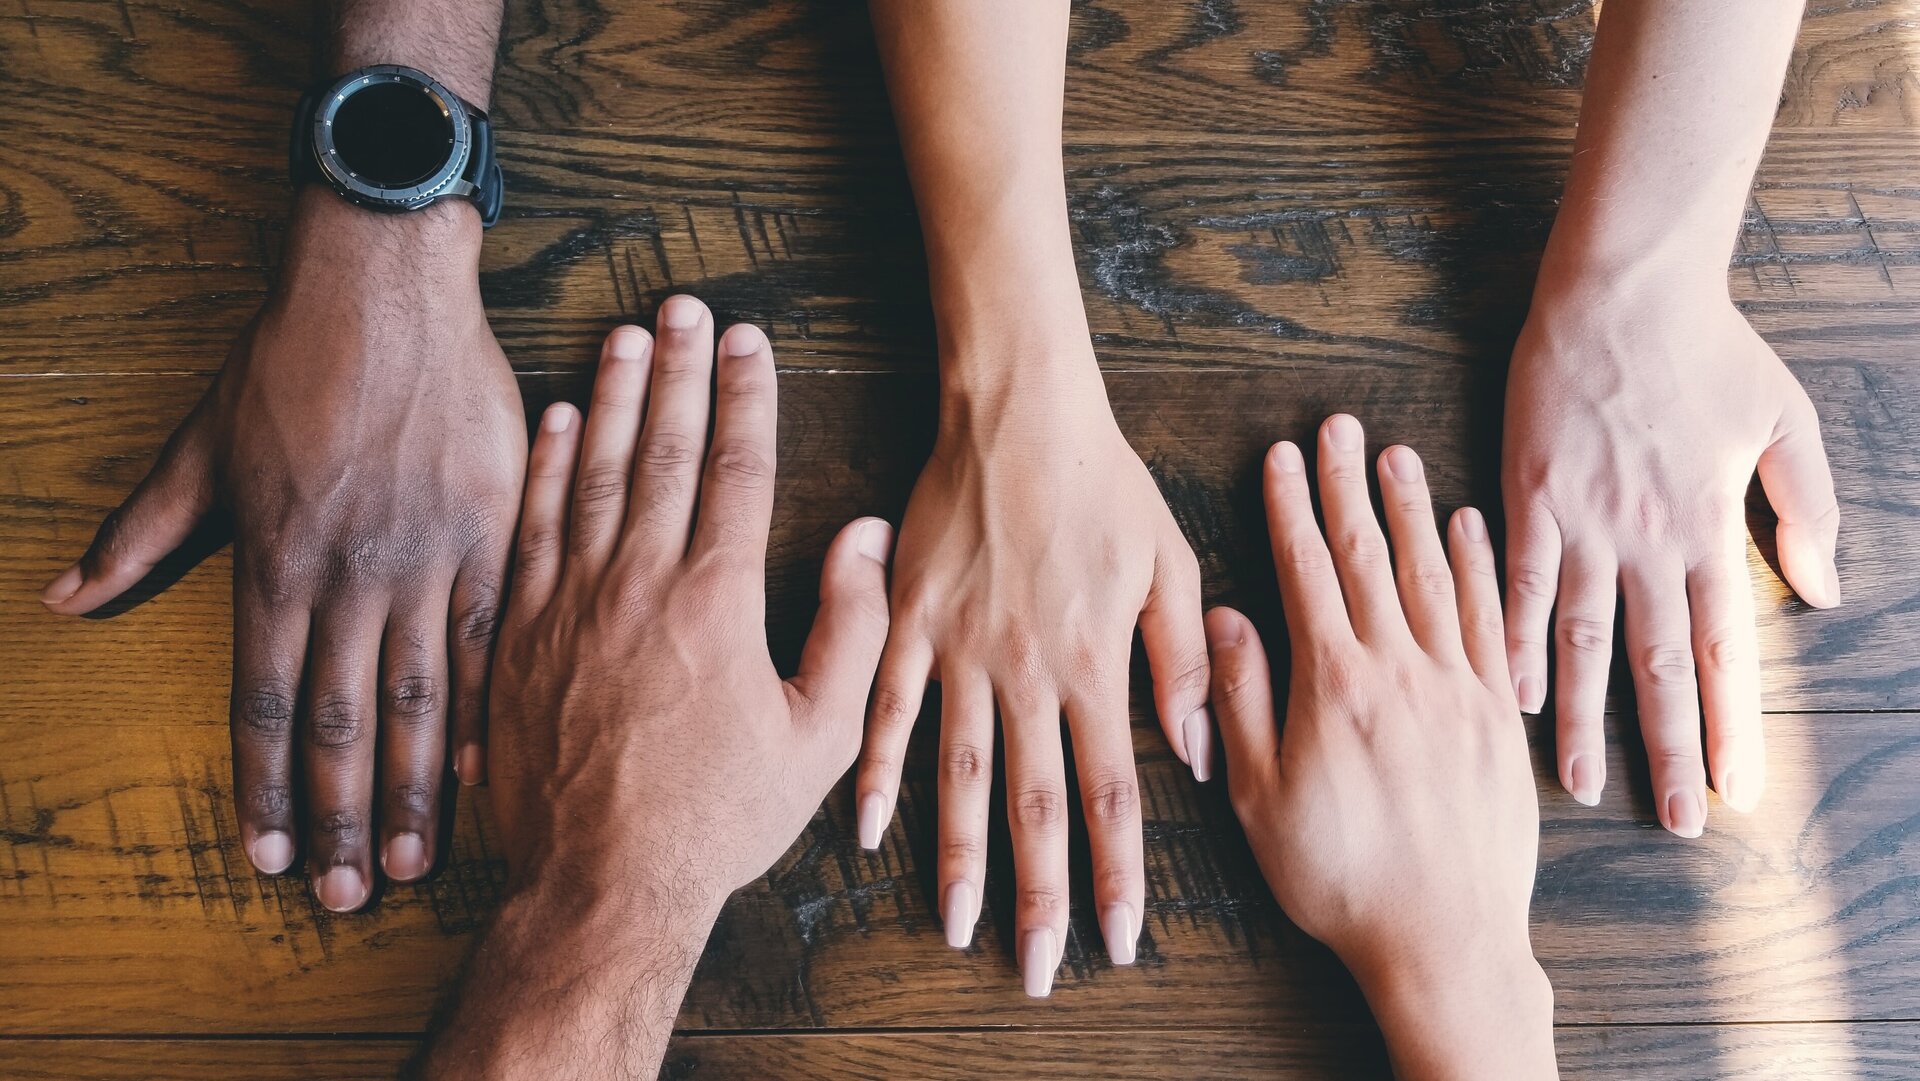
(391,138)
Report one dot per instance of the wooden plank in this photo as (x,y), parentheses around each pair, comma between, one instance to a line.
(1397,220)
(1802,1052)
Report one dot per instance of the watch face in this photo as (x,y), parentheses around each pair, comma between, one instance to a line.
(392,134)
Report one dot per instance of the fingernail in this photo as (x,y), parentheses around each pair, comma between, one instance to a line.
(1831,583)
(1737,793)
(557,418)
(405,857)
(1286,458)
(341,889)
(1531,694)
(1037,962)
(64,586)
(1403,463)
(1343,431)
(1686,814)
(1118,928)
(681,313)
(956,912)
(271,852)
(1587,776)
(876,540)
(1472,524)
(470,765)
(744,340)
(873,819)
(1198,730)
(627,343)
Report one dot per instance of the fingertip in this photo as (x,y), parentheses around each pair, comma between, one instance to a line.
(743,340)
(873,538)
(628,343)
(682,312)
(470,764)
(1470,524)
(872,820)
(1400,463)
(1227,628)
(1583,775)
(1284,458)
(1531,692)
(1343,432)
(63,587)
(558,418)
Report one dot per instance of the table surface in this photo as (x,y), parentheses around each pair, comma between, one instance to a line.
(1282,207)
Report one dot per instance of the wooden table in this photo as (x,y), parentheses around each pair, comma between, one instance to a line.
(1283,208)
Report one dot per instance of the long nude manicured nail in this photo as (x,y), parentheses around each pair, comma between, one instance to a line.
(1686,814)
(873,820)
(1119,928)
(406,857)
(956,912)
(271,852)
(341,889)
(1198,730)
(64,586)
(1037,962)
(470,765)
(1586,776)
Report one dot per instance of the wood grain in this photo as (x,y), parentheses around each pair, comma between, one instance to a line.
(1802,1052)
(1281,209)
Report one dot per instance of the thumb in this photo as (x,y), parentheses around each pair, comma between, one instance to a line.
(1793,470)
(842,651)
(159,515)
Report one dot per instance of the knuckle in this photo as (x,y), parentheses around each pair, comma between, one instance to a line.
(1042,903)
(1116,882)
(739,465)
(1114,801)
(599,488)
(1236,688)
(413,797)
(666,454)
(1360,546)
(1340,677)
(342,828)
(962,852)
(1303,559)
(1531,581)
(891,708)
(337,722)
(1723,650)
(966,765)
(1667,665)
(413,696)
(539,544)
(1430,579)
(266,711)
(1039,809)
(476,624)
(1584,635)
(266,800)
(1192,671)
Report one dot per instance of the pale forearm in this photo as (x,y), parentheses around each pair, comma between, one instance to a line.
(564,984)
(1680,96)
(977,94)
(1487,1014)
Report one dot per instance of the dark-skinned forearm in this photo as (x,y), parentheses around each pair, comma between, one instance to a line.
(452,40)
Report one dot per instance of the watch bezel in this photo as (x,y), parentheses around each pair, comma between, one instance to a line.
(443,181)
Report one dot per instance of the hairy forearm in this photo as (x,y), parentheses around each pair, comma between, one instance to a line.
(452,40)
(573,981)
(1486,1013)
(977,91)
(1679,99)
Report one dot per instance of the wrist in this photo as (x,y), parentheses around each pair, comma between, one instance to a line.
(1479,1008)
(1591,251)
